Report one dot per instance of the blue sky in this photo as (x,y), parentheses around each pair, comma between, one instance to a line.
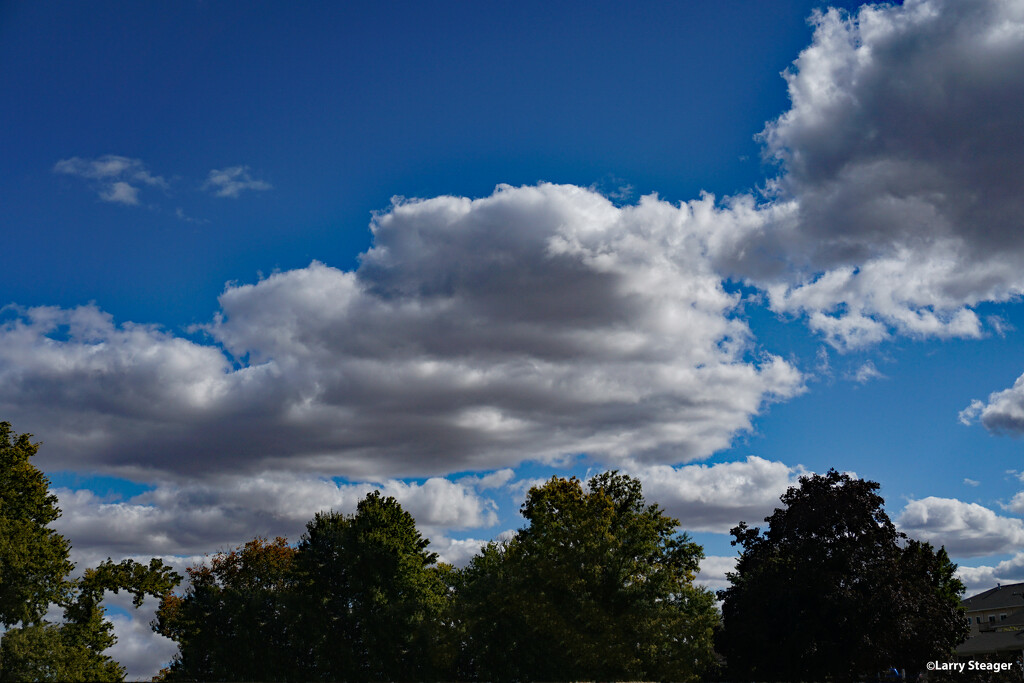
(259,259)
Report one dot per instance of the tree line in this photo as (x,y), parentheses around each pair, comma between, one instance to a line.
(598,585)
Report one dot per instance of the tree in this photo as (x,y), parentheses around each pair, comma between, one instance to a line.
(35,573)
(34,561)
(73,650)
(360,598)
(373,596)
(842,592)
(598,585)
(234,620)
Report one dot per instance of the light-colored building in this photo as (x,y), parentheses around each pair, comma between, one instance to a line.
(997,622)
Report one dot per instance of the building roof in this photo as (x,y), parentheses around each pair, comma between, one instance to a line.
(999,641)
(1010,595)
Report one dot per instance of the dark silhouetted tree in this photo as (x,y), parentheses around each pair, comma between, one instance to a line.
(235,619)
(841,592)
(372,596)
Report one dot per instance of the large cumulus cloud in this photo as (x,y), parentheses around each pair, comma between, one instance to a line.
(899,205)
(534,323)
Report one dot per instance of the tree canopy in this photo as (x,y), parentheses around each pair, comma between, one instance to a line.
(372,593)
(598,585)
(841,591)
(360,598)
(231,622)
(35,573)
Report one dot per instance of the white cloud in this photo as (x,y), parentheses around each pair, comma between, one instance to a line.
(141,651)
(121,193)
(535,323)
(971,482)
(456,552)
(968,414)
(867,372)
(965,529)
(713,570)
(209,519)
(718,497)
(188,519)
(521,487)
(898,207)
(115,178)
(1002,414)
(232,181)
(496,479)
(1016,504)
(981,578)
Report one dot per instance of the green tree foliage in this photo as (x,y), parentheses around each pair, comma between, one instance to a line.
(73,650)
(34,573)
(34,561)
(842,593)
(599,585)
(359,599)
(372,593)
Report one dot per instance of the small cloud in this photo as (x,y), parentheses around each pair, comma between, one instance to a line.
(490,481)
(230,182)
(614,188)
(182,216)
(1002,413)
(867,372)
(823,365)
(971,482)
(968,414)
(114,178)
(121,193)
(999,325)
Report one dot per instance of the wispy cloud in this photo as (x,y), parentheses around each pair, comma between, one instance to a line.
(182,216)
(232,181)
(867,372)
(115,178)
